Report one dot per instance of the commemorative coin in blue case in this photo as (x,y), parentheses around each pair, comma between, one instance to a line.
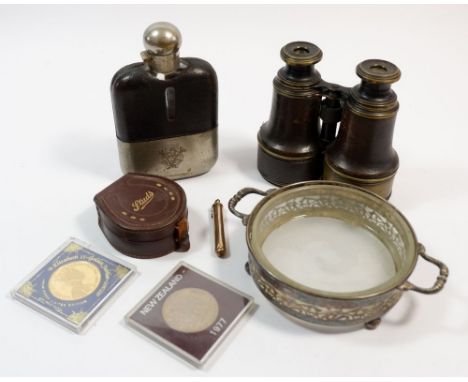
(73,284)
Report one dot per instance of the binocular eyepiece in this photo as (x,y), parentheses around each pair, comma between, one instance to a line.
(294,146)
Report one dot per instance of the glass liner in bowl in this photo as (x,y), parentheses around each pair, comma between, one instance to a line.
(329,254)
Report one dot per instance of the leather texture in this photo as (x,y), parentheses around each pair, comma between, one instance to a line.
(148,107)
(144,216)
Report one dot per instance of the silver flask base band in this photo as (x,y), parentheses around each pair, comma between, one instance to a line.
(173,158)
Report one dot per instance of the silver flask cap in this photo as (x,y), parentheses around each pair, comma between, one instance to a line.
(162,42)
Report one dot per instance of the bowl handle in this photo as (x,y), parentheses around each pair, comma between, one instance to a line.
(239,196)
(441,279)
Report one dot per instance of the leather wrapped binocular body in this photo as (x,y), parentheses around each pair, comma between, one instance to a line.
(288,144)
(293,146)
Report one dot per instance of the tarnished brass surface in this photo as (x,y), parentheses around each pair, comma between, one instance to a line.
(290,157)
(301,53)
(377,74)
(381,187)
(378,71)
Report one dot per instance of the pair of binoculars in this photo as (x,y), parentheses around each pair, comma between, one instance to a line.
(293,145)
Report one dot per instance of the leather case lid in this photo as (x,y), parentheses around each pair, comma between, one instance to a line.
(141,207)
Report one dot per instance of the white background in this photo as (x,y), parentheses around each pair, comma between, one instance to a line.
(58,150)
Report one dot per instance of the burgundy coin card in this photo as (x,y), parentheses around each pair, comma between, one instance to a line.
(189,313)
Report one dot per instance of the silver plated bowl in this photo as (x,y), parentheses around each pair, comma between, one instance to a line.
(350,204)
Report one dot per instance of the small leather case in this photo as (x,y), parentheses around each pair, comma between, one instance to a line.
(144,216)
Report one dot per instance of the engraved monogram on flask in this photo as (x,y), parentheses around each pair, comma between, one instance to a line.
(140,204)
(172,156)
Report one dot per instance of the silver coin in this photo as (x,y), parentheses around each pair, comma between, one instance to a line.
(190,310)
